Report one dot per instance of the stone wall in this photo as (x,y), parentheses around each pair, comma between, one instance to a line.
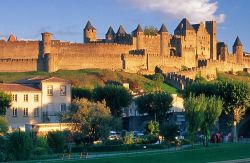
(18,65)
(19,49)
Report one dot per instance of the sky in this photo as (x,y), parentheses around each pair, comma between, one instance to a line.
(27,19)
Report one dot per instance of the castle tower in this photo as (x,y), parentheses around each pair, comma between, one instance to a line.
(184,28)
(89,33)
(121,31)
(164,41)
(222,51)
(110,35)
(238,50)
(138,33)
(211,29)
(12,38)
(46,41)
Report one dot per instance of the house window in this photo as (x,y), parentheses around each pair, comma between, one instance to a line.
(63,107)
(50,90)
(63,90)
(14,97)
(14,112)
(36,112)
(25,112)
(36,98)
(25,98)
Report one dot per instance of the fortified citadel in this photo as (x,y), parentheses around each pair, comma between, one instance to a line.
(193,46)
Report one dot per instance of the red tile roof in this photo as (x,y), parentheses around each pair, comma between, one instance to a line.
(37,80)
(12,38)
(55,79)
(17,88)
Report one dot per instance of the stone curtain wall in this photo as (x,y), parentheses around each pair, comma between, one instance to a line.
(75,56)
(19,49)
(18,65)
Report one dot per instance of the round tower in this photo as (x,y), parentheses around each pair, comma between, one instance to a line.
(46,40)
(164,41)
(139,34)
(238,50)
(89,33)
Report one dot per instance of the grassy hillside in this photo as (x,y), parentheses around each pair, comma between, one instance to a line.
(90,78)
(241,76)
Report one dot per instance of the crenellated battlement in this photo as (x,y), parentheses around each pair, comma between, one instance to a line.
(138,52)
(17,60)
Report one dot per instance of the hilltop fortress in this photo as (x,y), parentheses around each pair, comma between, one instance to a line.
(190,46)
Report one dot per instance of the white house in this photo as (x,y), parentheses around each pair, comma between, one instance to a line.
(36,100)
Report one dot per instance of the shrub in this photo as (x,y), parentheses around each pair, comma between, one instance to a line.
(128,138)
(169,131)
(41,146)
(56,141)
(3,149)
(149,139)
(20,146)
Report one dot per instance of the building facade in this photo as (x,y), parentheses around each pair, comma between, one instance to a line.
(36,100)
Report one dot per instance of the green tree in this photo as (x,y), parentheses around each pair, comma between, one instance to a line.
(5,102)
(128,138)
(194,107)
(202,113)
(3,126)
(41,146)
(81,93)
(56,141)
(212,111)
(150,30)
(152,127)
(3,149)
(169,131)
(116,98)
(20,145)
(156,104)
(92,120)
(236,97)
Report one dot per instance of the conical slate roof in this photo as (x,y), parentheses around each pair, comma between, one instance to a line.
(138,29)
(184,25)
(12,38)
(89,26)
(121,30)
(163,29)
(237,42)
(110,31)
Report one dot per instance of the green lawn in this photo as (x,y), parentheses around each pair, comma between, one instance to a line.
(213,153)
(90,78)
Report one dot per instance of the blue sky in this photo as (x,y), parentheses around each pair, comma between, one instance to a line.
(66,19)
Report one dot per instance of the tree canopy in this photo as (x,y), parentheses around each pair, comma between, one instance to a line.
(235,95)
(150,30)
(5,102)
(155,104)
(116,98)
(92,120)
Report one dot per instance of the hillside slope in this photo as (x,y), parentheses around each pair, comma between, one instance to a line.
(90,78)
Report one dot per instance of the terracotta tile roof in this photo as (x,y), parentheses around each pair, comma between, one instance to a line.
(12,38)
(56,79)
(17,88)
(38,80)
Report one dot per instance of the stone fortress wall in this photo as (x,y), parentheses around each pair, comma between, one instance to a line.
(191,46)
